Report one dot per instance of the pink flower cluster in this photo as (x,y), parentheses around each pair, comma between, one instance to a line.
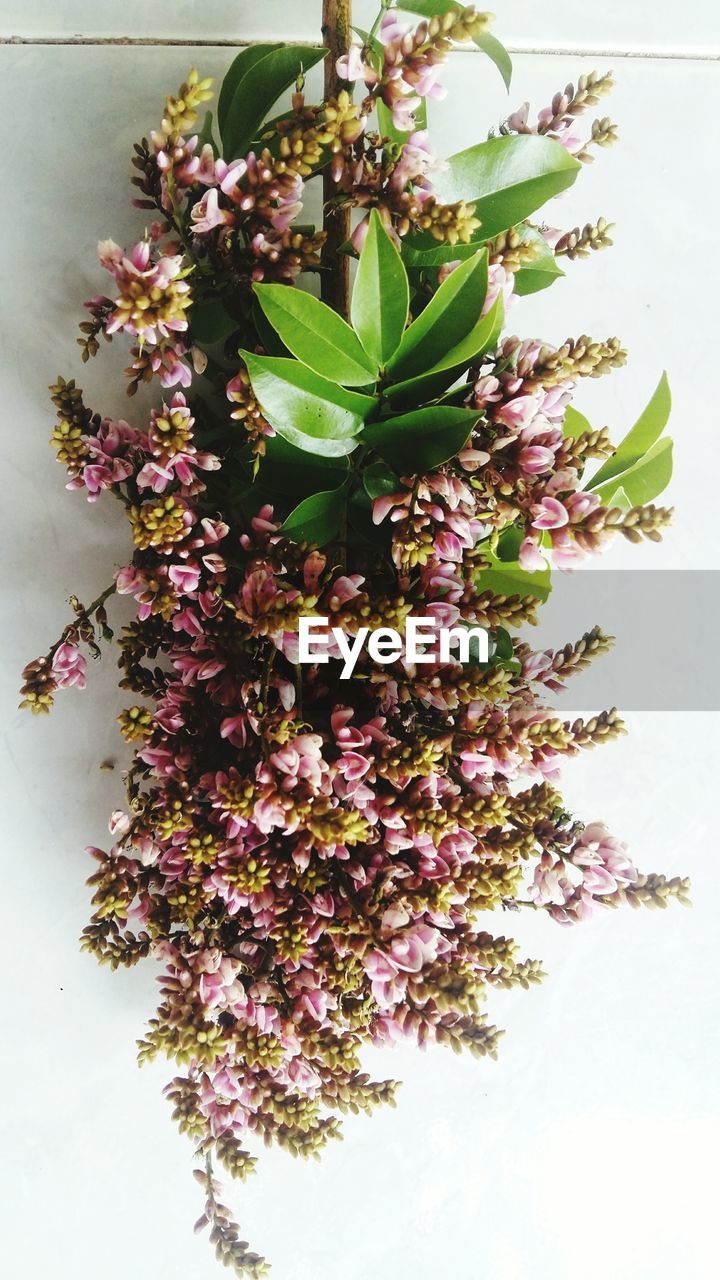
(69,668)
(309,857)
(528,449)
(565,129)
(153,294)
(301,820)
(151,304)
(163,456)
(408,75)
(530,478)
(238,183)
(602,866)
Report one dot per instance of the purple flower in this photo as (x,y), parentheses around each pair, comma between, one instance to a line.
(69,667)
(549,514)
(352,67)
(206,215)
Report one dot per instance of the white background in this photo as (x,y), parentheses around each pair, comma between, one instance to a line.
(589,1150)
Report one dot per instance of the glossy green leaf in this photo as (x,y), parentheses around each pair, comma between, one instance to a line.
(481,338)
(543,271)
(295,473)
(380,480)
(451,314)
(507,178)
(381,295)
(508,545)
(538,275)
(648,428)
(488,43)
(575,424)
(316,519)
(316,334)
(256,85)
(424,253)
(238,68)
(309,411)
(415,442)
(510,580)
(268,338)
(497,53)
(644,481)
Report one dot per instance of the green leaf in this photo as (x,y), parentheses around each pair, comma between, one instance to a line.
(620,499)
(648,428)
(210,322)
(379,480)
(503,648)
(295,473)
(423,251)
(316,334)
(268,338)
(415,442)
(316,519)
(254,85)
(507,178)
(543,271)
(206,134)
(250,500)
(238,68)
(575,424)
(510,580)
(538,275)
(360,522)
(309,411)
(646,479)
(498,54)
(450,315)
(481,338)
(489,44)
(381,294)
(508,544)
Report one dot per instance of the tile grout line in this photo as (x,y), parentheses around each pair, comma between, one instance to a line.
(667,55)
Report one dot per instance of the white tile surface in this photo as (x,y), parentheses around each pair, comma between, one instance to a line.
(655,25)
(170,19)
(589,1151)
(647,25)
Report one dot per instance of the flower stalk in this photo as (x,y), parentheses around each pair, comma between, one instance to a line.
(335,277)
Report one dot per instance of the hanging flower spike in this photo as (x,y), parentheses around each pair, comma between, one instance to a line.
(306,843)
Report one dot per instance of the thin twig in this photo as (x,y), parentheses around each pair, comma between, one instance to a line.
(335,279)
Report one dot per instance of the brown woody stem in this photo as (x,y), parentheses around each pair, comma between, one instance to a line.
(335,277)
